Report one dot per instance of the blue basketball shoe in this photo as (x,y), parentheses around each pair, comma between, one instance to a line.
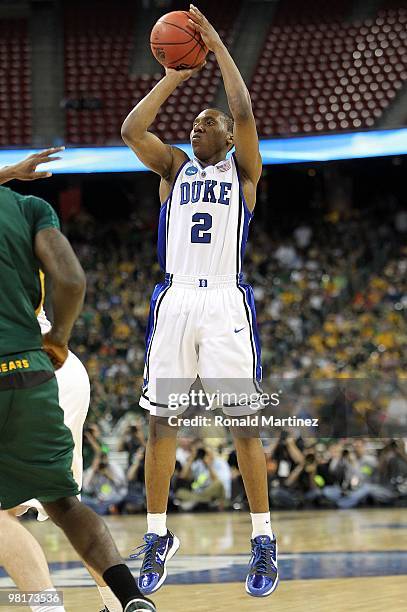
(157,551)
(262,578)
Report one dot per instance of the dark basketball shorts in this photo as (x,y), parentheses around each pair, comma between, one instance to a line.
(36,447)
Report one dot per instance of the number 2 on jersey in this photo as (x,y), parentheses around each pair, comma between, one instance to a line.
(199,231)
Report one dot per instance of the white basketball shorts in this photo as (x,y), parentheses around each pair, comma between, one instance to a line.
(202,327)
(74,397)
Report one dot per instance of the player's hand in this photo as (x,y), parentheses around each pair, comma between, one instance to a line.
(208,33)
(185,74)
(26,170)
(58,353)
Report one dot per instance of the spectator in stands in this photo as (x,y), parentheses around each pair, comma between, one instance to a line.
(328,310)
(287,454)
(93,444)
(184,448)
(320,317)
(285,459)
(328,476)
(238,494)
(206,474)
(364,477)
(135,498)
(132,440)
(104,485)
(302,479)
(334,471)
(393,466)
(302,236)
(286,255)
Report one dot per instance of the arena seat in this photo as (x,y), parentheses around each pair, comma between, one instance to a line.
(15,83)
(99,87)
(319,73)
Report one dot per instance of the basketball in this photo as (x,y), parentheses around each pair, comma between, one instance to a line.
(174,42)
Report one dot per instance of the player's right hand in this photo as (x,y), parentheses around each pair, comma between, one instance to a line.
(183,75)
(58,353)
(26,170)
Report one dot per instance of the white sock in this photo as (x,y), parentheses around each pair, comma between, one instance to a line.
(261,523)
(157,523)
(48,607)
(109,599)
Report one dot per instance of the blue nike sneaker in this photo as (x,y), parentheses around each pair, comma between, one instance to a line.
(157,551)
(262,578)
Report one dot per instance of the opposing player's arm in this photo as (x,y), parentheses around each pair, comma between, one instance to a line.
(61,265)
(26,170)
(245,133)
(151,151)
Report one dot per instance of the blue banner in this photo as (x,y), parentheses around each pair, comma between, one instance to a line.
(78,160)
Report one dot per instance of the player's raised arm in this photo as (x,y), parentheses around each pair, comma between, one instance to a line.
(60,263)
(26,170)
(245,133)
(159,157)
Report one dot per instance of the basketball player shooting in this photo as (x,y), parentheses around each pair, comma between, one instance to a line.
(202,318)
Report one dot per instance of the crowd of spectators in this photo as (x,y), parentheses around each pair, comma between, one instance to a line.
(341,474)
(331,299)
(330,302)
(302,473)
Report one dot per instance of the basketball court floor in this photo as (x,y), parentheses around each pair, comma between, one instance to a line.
(330,561)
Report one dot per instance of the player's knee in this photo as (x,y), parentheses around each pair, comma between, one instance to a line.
(58,509)
(160,429)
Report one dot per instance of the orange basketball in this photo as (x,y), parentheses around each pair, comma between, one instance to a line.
(174,42)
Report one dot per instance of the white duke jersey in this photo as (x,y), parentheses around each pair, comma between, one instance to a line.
(204,222)
(202,319)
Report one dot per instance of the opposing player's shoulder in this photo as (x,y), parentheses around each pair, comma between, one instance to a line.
(5,192)
(9,195)
(8,200)
(44,215)
(37,211)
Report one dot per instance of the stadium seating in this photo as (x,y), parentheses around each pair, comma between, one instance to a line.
(15,83)
(324,305)
(99,88)
(98,44)
(319,73)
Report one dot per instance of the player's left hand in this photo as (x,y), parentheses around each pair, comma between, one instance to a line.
(26,170)
(209,35)
(184,74)
(58,353)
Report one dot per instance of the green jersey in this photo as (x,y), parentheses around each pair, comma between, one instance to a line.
(21,281)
